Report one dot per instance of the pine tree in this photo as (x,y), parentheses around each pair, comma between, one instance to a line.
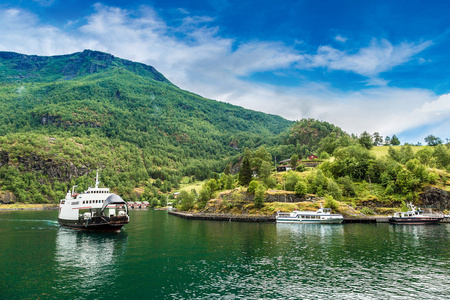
(395,141)
(245,173)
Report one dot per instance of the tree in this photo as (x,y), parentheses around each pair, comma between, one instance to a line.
(245,172)
(265,170)
(353,161)
(291,180)
(442,156)
(229,183)
(395,141)
(301,188)
(185,200)
(377,139)
(227,169)
(259,156)
(424,155)
(294,161)
(204,196)
(387,141)
(431,140)
(259,197)
(334,190)
(365,139)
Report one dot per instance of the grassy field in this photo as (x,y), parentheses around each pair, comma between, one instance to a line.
(185,185)
(380,151)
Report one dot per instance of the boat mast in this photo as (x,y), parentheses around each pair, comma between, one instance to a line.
(73,189)
(96,181)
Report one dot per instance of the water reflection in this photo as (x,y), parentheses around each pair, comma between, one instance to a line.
(88,259)
(314,230)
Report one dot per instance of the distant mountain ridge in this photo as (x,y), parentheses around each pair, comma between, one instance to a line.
(33,68)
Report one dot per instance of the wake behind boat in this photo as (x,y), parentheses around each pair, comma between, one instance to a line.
(321,216)
(95,209)
(415,216)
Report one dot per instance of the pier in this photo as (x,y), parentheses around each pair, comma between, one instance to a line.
(260,218)
(224,217)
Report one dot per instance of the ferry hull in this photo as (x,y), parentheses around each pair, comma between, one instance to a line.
(96,223)
(415,221)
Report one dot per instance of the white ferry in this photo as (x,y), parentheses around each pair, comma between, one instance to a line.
(321,216)
(95,209)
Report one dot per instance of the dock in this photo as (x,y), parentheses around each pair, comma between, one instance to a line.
(260,218)
(224,217)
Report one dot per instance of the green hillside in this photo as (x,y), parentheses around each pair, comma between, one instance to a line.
(62,117)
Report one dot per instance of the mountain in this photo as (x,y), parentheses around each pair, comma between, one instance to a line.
(61,117)
(17,67)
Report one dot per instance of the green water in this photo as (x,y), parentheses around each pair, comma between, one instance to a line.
(158,256)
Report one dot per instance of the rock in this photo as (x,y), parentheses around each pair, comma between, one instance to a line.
(436,198)
(4,158)
(60,171)
(7,197)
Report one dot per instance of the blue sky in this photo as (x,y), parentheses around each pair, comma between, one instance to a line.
(376,66)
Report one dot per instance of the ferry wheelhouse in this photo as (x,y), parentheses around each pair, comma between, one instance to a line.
(95,209)
(321,216)
(415,216)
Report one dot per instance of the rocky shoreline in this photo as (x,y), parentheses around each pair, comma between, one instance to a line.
(13,207)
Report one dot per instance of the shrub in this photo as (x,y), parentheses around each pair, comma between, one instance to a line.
(331,203)
(252,186)
(390,189)
(348,188)
(367,211)
(432,178)
(334,190)
(259,197)
(291,180)
(270,182)
(301,168)
(324,155)
(301,188)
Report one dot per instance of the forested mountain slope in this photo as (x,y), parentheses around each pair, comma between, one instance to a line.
(91,110)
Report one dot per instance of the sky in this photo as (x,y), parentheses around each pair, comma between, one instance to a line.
(377,66)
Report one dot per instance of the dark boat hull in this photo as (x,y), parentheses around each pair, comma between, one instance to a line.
(96,223)
(415,221)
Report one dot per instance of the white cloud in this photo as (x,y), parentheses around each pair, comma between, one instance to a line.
(196,58)
(44,3)
(379,57)
(340,38)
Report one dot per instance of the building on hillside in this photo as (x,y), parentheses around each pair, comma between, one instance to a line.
(312,157)
(284,168)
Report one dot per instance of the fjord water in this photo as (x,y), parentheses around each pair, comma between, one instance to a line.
(158,256)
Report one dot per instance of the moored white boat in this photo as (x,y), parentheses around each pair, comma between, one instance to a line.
(321,216)
(415,216)
(95,209)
